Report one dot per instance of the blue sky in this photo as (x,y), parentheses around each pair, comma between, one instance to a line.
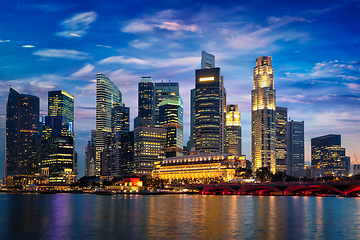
(315,46)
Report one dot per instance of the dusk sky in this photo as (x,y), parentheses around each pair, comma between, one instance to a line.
(314,45)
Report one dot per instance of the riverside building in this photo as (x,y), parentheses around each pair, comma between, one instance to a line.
(107,94)
(146,103)
(233,130)
(263,116)
(212,165)
(163,91)
(281,139)
(295,148)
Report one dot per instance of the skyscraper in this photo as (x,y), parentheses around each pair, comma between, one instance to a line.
(90,155)
(233,130)
(327,153)
(149,147)
(22,134)
(61,104)
(295,148)
(209,111)
(107,94)
(207,60)
(120,125)
(171,118)
(281,123)
(263,116)
(164,90)
(146,103)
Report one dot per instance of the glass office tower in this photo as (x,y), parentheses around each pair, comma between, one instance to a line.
(146,103)
(295,148)
(22,134)
(233,130)
(263,116)
(171,118)
(281,127)
(107,94)
(164,90)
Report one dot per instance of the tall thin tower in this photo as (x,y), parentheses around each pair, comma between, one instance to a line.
(263,116)
(107,94)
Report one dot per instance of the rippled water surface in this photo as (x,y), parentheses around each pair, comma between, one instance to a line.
(66,216)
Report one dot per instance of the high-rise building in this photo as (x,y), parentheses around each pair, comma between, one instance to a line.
(191,143)
(61,104)
(146,103)
(295,148)
(233,130)
(209,111)
(171,118)
(57,158)
(106,155)
(164,90)
(90,155)
(120,125)
(107,94)
(127,153)
(356,169)
(327,153)
(207,60)
(281,123)
(149,147)
(263,116)
(22,134)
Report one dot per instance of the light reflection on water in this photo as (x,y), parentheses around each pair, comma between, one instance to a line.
(65,216)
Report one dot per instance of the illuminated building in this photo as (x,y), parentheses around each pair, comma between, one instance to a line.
(164,90)
(149,147)
(356,169)
(263,116)
(281,123)
(106,155)
(209,111)
(90,155)
(119,124)
(146,103)
(127,153)
(295,148)
(61,104)
(22,134)
(171,118)
(233,130)
(213,165)
(107,94)
(57,157)
(327,153)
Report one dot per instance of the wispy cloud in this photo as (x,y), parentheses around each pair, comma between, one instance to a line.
(104,46)
(62,53)
(85,70)
(3,41)
(77,25)
(28,46)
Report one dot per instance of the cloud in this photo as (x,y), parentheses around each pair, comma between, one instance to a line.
(353,86)
(77,25)
(28,46)
(163,20)
(62,53)
(151,62)
(85,70)
(2,41)
(104,46)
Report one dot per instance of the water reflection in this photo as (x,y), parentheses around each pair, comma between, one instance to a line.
(63,216)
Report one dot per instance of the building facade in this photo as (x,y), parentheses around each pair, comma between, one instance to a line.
(149,147)
(233,130)
(90,155)
(295,148)
(281,136)
(327,153)
(127,153)
(263,116)
(209,105)
(22,134)
(146,103)
(215,165)
(107,94)
(164,90)
(171,118)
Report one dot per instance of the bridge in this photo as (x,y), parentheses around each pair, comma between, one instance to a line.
(346,189)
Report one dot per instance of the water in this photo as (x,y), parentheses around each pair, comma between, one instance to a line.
(66,216)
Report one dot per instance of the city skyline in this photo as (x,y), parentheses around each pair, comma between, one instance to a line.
(316,73)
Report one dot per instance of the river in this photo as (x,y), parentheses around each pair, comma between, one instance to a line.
(81,216)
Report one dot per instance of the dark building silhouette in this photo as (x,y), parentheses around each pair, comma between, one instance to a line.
(22,134)
(90,155)
(327,153)
(295,148)
(146,103)
(281,124)
(127,153)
